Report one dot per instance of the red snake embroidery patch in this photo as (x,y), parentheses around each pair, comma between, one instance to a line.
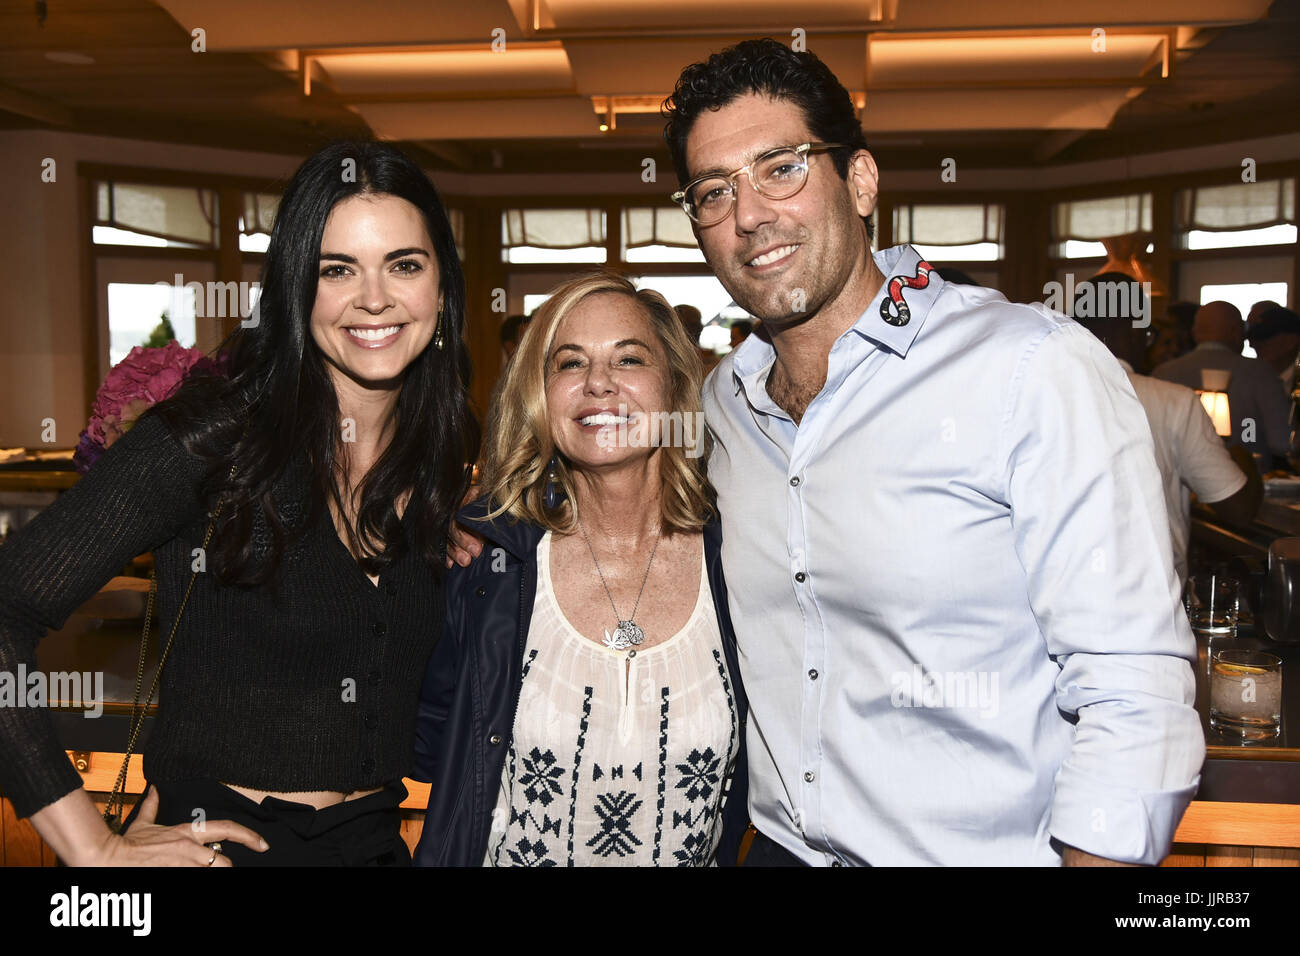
(900,314)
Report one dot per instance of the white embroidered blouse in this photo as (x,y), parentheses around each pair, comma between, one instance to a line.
(618,757)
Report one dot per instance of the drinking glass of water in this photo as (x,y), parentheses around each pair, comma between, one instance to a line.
(1212,602)
(1246,694)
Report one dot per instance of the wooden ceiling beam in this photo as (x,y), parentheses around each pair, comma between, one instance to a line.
(35,107)
(1056,141)
(459,156)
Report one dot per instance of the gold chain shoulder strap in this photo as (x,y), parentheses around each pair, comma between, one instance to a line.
(113,810)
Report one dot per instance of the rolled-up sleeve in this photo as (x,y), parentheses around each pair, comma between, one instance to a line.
(1092,534)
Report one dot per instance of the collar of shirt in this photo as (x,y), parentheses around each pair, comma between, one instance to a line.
(755,356)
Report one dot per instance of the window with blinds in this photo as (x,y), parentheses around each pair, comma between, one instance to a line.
(256,219)
(970,232)
(1078,226)
(658,234)
(140,214)
(1238,214)
(553,235)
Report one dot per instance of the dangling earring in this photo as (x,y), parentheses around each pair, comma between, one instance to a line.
(437,332)
(551,497)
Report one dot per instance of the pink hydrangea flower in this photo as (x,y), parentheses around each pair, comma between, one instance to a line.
(143,378)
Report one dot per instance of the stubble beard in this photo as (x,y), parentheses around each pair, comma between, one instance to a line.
(787,301)
(775,307)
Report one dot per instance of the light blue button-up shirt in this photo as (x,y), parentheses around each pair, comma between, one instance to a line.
(959,623)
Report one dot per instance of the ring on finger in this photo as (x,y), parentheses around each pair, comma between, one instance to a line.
(214,856)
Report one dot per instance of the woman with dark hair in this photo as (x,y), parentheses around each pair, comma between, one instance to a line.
(326,466)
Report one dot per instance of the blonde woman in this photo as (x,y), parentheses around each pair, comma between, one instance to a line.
(584,706)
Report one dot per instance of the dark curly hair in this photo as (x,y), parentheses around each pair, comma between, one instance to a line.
(277,405)
(771,68)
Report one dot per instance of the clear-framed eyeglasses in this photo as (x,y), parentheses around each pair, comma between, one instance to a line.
(777,174)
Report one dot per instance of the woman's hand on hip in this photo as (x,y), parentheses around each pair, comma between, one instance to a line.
(147,844)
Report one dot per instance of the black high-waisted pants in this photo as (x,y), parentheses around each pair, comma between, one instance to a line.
(361,832)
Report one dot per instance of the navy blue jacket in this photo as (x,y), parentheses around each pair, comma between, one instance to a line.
(471,690)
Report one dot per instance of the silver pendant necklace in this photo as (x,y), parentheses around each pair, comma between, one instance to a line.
(627,633)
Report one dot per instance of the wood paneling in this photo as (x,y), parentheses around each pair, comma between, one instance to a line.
(1253,824)
(22,845)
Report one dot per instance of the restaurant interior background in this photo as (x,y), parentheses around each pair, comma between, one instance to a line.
(143,140)
(142,144)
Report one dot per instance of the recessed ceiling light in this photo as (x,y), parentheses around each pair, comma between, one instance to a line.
(60,56)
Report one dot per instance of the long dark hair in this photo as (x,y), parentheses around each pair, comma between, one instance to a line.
(277,407)
(772,69)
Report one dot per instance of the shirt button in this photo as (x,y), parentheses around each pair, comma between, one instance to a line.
(812,675)
(794,482)
(373,678)
(480,592)
(371,721)
(809,776)
(800,577)
(379,628)
(836,863)
(368,766)
(495,740)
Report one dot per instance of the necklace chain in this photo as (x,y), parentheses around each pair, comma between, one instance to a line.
(605,584)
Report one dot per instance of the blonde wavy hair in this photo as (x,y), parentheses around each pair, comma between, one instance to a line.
(519,446)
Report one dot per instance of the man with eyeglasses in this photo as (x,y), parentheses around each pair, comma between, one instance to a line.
(944,534)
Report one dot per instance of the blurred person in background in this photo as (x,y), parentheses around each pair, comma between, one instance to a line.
(1257,312)
(1275,337)
(1191,456)
(512,330)
(741,329)
(692,321)
(1259,407)
(1173,335)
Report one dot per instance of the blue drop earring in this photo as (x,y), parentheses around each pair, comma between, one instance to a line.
(552,498)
